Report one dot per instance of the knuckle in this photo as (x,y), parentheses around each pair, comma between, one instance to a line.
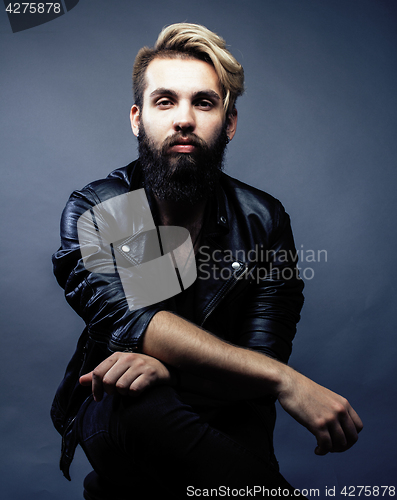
(150,372)
(131,356)
(341,410)
(140,362)
(321,423)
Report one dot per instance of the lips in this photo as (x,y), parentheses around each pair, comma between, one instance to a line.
(183,144)
(182,147)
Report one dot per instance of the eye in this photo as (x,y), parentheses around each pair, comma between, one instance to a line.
(164,103)
(204,104)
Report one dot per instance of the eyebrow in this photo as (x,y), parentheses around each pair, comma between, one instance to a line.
(200,93)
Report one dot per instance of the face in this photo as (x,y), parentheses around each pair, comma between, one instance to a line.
(182,127)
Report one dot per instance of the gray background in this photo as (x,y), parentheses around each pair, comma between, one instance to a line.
(316,129)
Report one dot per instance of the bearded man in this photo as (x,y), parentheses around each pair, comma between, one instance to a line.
(177,395)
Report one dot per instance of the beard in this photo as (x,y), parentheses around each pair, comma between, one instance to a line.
(182,177)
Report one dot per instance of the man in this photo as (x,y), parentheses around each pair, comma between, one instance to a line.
(180,393)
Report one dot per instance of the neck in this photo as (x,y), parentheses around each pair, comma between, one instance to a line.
(177,213)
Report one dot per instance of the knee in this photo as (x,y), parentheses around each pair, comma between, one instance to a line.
(154,411)
(146,408)
(155,416)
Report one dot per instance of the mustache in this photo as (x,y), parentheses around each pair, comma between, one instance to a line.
(184,138)
(181,177)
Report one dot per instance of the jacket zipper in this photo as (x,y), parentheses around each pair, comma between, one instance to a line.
(233,280)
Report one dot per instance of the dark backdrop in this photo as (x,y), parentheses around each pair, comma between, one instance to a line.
(316,129)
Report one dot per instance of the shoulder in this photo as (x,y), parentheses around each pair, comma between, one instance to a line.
(249,200)
(118,182)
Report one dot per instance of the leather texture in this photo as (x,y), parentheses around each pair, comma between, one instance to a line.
(248,291)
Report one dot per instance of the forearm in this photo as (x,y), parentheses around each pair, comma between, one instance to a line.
(183,345)
(214,390)
(178,343)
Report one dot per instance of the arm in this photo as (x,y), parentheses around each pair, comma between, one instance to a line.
(95,291)
(327,415)
(177,342)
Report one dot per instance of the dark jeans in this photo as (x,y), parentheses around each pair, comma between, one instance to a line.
(159,444)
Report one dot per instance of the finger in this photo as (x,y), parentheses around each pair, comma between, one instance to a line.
(356,419)
(97,376)
(340,436)
(320,429)
(116,378)
(124,381)
(140,383)
(343,431)
(324,442)
(86,379)
(137,378)
(351,428)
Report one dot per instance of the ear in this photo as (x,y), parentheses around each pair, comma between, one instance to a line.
(231,123)
(135,118)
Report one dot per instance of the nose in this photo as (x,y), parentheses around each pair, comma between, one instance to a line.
(184,120)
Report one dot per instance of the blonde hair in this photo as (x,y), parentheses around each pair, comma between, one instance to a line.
(185,40)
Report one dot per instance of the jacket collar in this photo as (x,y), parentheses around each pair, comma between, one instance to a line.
(216,237)
(216,214)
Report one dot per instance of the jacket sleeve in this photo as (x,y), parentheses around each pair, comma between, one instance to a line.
(95,292)
(274,298)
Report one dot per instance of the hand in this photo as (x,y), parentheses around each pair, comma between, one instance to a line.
(325,414)
(126,373)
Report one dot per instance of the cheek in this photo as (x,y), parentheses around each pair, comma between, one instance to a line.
(211,130)
(155,132)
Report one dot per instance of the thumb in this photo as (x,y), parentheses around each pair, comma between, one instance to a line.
(319,450)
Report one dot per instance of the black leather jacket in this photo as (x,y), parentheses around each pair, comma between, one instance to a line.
(247,292)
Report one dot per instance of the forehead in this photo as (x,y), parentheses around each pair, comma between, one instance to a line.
(183,76)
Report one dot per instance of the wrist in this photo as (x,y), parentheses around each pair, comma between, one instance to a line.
(282,379)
